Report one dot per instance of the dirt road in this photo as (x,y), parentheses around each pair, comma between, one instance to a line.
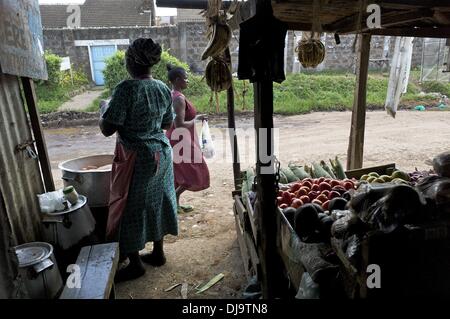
(207,242)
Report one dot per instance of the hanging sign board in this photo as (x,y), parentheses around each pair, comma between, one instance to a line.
(65,64)
(21,39)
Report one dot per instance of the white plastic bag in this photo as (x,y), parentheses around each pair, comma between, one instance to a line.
(207,143)
(51,201)
(399,74)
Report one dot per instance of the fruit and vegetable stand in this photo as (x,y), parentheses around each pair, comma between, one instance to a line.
(263,28)
(271,244)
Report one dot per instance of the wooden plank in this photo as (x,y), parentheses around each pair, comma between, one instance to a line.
(350,24)
(242,246)
(98,265)
(232,126)
(425,32)
(356,140)
(252,219)
(30,97)
(188,4)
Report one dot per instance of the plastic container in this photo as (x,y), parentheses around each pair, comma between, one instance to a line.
(71,194)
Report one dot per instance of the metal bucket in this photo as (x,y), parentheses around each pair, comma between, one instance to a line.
(92,184)
(67,228)
(38,270)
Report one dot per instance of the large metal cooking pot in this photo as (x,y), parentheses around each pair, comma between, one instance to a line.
(94,184)
(38,270)
(65,229)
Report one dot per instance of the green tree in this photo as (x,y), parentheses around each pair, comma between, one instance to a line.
(53,68)
(115,70)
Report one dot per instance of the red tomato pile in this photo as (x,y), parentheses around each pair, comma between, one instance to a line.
(319,191)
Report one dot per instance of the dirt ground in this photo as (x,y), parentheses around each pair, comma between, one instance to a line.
(207,244)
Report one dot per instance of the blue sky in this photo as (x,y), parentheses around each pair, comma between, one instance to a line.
(159,11)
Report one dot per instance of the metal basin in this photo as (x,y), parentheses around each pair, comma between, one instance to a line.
(94,184)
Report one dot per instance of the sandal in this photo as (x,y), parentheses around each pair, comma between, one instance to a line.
(185,209)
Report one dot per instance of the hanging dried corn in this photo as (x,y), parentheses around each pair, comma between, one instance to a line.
(310,49)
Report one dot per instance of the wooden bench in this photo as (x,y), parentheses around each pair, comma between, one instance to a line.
(98,265)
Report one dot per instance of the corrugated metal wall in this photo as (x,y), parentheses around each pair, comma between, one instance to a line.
(20,177)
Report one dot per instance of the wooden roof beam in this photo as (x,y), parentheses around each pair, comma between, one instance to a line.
(188,4)
(437,32)
(392,18)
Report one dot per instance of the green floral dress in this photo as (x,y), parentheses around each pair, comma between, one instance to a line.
(140,108)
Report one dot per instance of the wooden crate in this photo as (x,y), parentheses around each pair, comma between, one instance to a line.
(245,239)
(386,169)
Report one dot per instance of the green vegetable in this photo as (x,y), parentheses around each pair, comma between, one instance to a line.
(283,178)
(247,181)
(310,171)
(299,171)
(319,171)
(327,169)
(338,169)
(291,177)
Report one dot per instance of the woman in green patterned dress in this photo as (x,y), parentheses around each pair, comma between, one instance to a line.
(142,205)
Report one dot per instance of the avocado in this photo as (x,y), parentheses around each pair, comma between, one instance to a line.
(371,179)
(400,174)
(364,177)
(386,178)
(378,180)
(375,174)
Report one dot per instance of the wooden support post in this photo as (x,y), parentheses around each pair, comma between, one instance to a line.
(266,196)
(356,141)
(30,97)
(232,127)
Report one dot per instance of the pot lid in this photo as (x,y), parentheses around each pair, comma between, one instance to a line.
(32,253)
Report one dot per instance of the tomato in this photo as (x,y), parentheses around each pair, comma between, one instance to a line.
(326,193)
(305,199)
(348,185)
(307,184)
(301,192)
(295,187)
(283,206)
(296,203)
(316,201)
(322,198)
(312,195)
(286,197)
(315,188)
(279,200)
(335,183)
(321,180)
(307,180)
(325,205)
(324,186)
(333,194)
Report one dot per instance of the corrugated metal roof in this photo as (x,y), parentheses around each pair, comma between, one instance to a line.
(20,177)
(100,13)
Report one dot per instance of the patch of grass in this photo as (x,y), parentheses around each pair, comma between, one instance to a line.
(50,98)
(94,106)
(436,87)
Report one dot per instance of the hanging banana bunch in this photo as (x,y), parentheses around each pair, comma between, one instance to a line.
(219,33)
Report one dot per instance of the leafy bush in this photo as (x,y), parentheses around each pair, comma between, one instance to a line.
(79,78)
(115,70)
(436,87)
(53,65)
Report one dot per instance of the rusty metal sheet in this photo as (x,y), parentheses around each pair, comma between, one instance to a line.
(21,39)
(20,176)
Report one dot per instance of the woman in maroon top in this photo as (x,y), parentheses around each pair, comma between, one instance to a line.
(190,169)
